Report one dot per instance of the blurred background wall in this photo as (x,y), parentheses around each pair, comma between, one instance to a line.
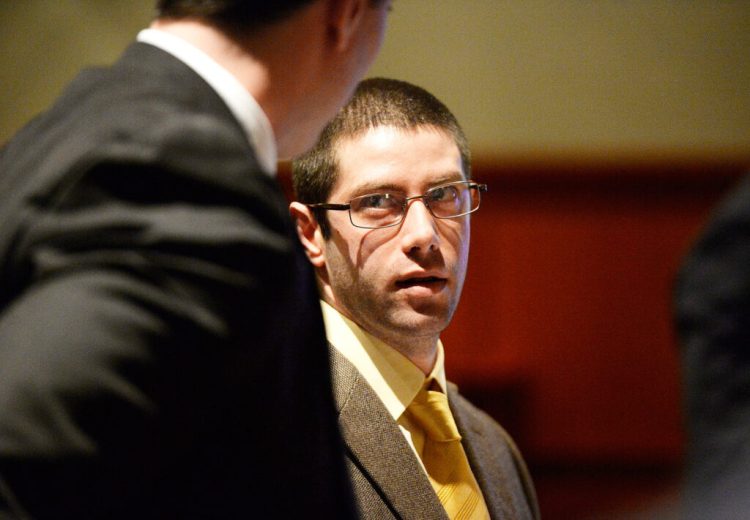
(523,76)
(607,131)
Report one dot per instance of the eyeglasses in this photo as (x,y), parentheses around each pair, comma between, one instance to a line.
(380,210)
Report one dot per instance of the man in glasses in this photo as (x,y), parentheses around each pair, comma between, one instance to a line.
(383,212)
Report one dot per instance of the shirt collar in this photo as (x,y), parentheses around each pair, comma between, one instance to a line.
(394,378)
(240,102)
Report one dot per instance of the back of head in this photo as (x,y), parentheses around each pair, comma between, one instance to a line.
(240,15)
(376,102)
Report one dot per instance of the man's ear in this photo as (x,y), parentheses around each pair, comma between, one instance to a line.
(309,233)
(344,20)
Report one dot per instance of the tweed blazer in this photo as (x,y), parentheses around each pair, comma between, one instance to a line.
(389,481)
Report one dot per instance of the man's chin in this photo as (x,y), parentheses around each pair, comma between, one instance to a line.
(422,321)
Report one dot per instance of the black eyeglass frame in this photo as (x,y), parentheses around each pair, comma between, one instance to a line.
(481,188)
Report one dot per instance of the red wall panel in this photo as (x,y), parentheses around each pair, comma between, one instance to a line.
(564,331)
(568,298)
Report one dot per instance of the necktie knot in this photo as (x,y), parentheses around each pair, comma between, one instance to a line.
(444,458)
(431,410)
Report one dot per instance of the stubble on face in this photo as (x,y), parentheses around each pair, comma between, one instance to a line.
(366,268)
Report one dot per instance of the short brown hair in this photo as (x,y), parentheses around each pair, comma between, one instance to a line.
(376,102)
(234,16)
(237,15)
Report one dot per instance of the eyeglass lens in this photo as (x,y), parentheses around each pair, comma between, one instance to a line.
(386,209)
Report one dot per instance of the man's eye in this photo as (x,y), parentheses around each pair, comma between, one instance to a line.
(444,193)
(374,201)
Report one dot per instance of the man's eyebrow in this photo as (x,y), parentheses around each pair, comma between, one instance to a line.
(366,188)
(374,187)
(449,177)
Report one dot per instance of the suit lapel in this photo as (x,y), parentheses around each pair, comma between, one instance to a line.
(483,459)
(377,446)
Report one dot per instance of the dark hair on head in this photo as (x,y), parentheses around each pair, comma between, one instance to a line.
(234,15)
(376,102)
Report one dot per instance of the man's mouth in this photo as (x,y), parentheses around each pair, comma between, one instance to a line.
(424,281)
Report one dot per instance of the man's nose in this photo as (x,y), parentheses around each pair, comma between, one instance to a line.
(419,229)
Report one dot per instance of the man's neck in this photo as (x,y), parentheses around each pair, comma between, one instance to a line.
(251,72)
(420,351)
(279,77)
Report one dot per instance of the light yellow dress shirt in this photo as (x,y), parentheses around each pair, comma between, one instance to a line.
(394,378)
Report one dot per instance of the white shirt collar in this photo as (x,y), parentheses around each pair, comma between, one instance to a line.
(240,102)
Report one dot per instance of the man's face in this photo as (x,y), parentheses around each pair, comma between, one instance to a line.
(402,281)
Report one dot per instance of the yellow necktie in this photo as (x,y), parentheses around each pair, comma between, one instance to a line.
(444,457)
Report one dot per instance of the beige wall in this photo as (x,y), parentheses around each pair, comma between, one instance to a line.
(545,77)
(43,43)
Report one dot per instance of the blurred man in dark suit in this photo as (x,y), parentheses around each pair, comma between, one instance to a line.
(162,353)
(713,319)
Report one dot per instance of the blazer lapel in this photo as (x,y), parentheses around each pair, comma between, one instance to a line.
(377,446)
(486,461)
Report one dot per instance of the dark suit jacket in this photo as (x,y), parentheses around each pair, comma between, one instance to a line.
(712,302)
(387,477)
(162,353)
